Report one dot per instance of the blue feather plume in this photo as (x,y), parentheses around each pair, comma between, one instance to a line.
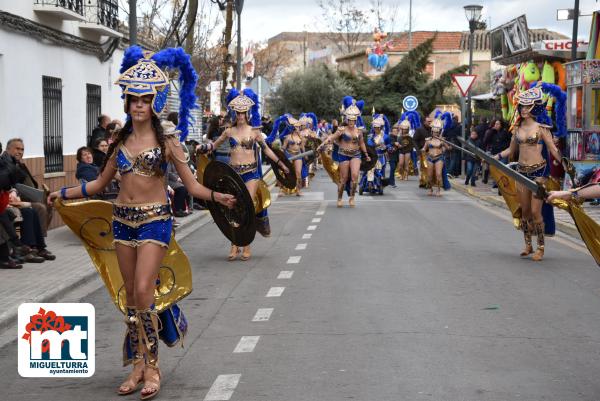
(560,108)
(347,101)
(275,131)
(255,110)
(314,119)
(386,127)
(132,55)
(178,58)
(413,118)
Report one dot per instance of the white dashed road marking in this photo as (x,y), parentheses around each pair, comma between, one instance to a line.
(285,274)
(292,260)
(246,344)
(223,388)
(311,228)
(301,247)
(262,315)
(316,220)
(320,213)
(306,236)
(275,292)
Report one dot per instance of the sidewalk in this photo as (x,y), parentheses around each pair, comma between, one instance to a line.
(486,193)
(52,280)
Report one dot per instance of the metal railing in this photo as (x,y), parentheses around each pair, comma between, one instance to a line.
(108,13)
(72,5)
(53,124)
(93,108)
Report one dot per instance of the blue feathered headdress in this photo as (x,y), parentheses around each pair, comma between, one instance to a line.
(244,102)
(165,59)
(281,128)
(386,123)
(413,118)
(560,109)
(312,117)
(445,117)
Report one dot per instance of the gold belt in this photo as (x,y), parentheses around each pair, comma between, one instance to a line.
(244,168)
(137,214)
(530,168)
(349,152)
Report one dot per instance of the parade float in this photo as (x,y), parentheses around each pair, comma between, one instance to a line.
(376,54)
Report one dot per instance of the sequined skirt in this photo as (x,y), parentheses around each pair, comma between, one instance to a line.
(134,225)
(248,171)
(533,171)
(345,155)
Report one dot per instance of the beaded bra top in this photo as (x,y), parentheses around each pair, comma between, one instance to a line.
(144,163)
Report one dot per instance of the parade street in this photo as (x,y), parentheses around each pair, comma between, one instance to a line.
(405,297)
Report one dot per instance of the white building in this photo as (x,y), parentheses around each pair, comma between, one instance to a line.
(58,62)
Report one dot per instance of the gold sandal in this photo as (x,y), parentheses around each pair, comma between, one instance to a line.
(233,253)
(133,381)
(246,253)
(151,382)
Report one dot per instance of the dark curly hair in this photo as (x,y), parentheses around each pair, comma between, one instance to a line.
(127,129)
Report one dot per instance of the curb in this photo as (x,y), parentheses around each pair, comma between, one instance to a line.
(498,201)
(9,318)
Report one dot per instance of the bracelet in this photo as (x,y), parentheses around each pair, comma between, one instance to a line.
(212,195)
(63,193)
(84,190)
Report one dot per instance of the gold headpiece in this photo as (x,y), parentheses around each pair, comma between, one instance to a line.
(293,122)
(378,122)
(146,78)
(405,124)
(530,97)
(241,103)
(352,112)
(437,125)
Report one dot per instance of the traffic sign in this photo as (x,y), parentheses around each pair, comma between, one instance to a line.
(464,82)
(410,103)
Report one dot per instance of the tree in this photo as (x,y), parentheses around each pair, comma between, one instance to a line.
(271,60)
(409,77)
(318,89)
(345,23)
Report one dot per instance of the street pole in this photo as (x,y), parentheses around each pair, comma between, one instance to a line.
(468,116)
(132,22)
(410,25)
(239,4)
(575,31)
(225,48)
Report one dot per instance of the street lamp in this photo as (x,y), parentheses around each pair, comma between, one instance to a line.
(239,5)
(473,14)
(574,14)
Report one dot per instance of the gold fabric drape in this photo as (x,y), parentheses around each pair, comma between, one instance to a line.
(91,221)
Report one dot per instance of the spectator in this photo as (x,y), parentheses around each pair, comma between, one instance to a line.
(422,133)
(496,139)
(100,131)
(86,170)
(111,132)
(453,155)
(482,127)
(31,229)
(180,194)
(15,148)
(99,152)
(472,163)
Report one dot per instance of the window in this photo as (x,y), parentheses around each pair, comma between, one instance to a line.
(93,108)
(53,127)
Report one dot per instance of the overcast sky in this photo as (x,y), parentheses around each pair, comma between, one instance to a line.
(262,19)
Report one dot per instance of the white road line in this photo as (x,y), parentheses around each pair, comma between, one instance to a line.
(306,236)
(311,228)
(316,220)
(246,344)
(285,274)
(275,292)
(223,388)
(262,315)
(320,213)
(292,260)
(301,247)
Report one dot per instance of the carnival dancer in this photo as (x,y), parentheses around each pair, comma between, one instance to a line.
(283,126)
(142,221)
(379,138)
(293,145)
(533,140)
(435,148)
(350,144)
(244,138)
(409,120)
(308,128)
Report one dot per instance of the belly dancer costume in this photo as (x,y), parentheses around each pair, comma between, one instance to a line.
(283,126)
(100,224)
(247,102)
(409,122)
(373,180)
(442,122)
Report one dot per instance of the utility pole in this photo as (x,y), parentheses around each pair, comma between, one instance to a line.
(132,22)
(239,5)
(225,48)
(575,31)
(410,26)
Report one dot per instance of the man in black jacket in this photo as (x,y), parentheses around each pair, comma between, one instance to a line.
(100,130)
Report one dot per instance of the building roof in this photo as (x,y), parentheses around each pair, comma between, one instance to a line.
(481,41)
(443,40)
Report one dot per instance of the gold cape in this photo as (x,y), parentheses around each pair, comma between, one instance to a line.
(587,227)
(91,221)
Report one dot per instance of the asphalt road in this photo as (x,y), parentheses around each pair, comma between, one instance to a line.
(405,297)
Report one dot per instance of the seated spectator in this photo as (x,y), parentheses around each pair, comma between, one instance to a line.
(15,148)
(99,152)
(5,260)
(86,169)
(31,230)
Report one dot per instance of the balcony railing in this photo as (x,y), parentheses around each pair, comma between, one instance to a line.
(108,13)
(72,5)
(65,9)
